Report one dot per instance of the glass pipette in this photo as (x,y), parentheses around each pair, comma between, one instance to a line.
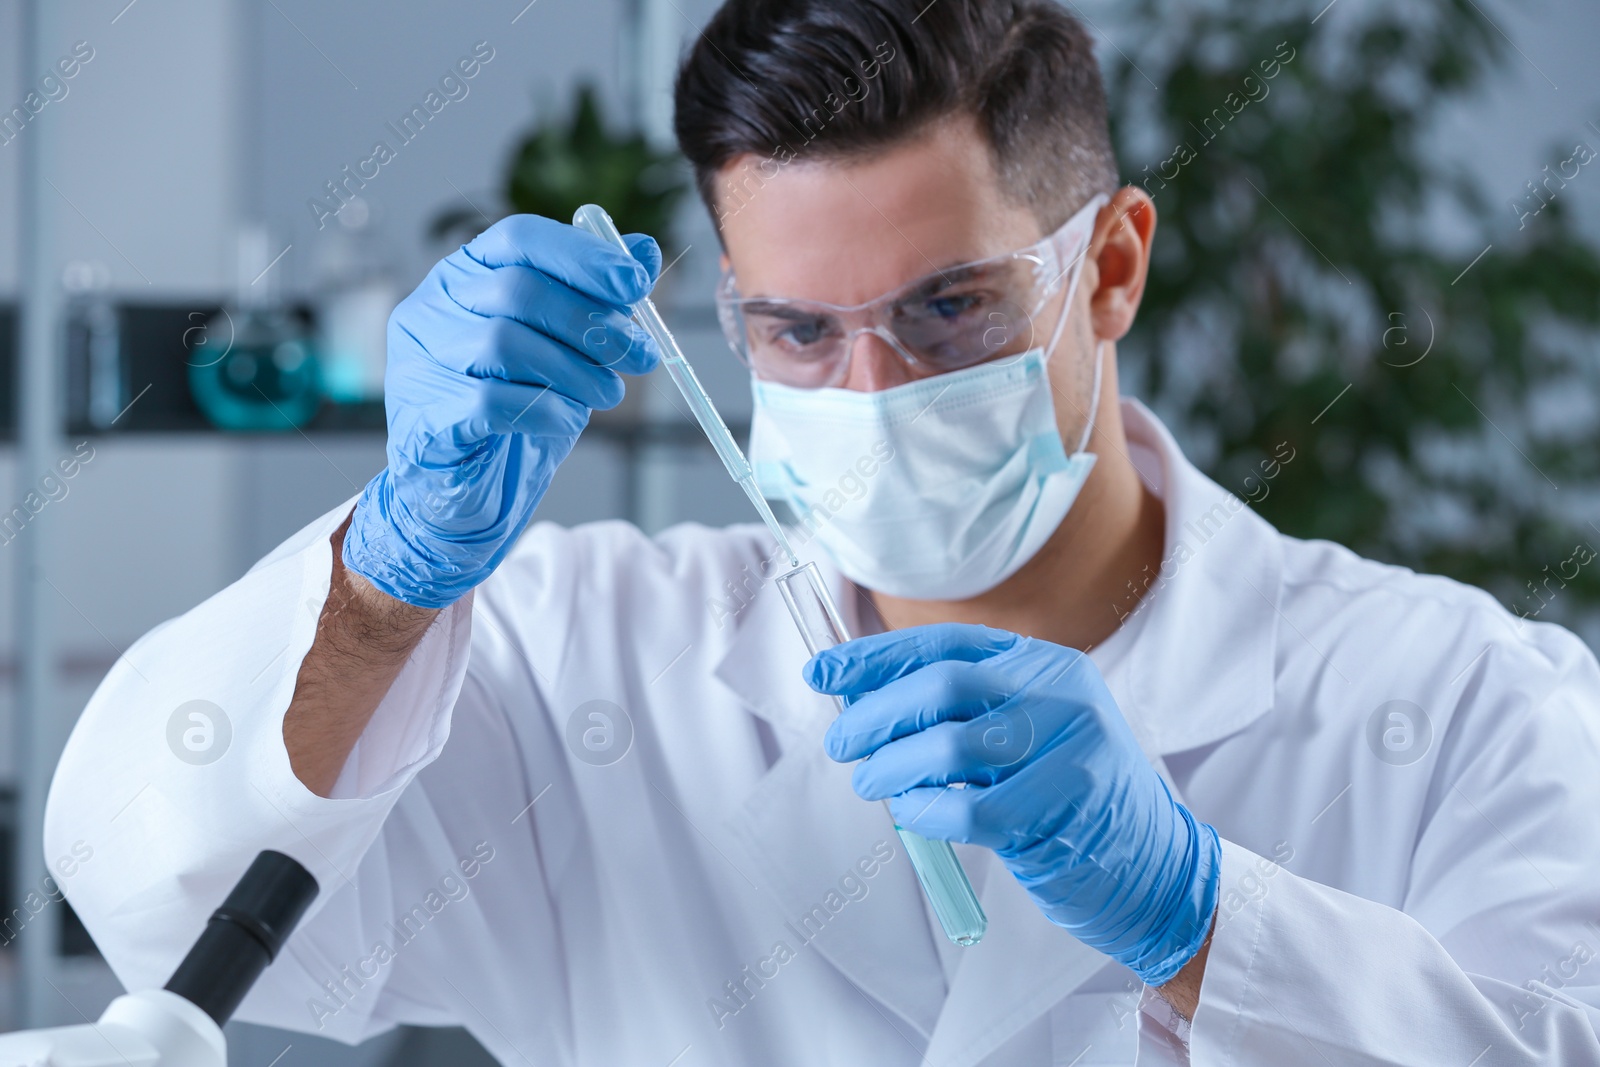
(938,869)
(593,217)
(954,903)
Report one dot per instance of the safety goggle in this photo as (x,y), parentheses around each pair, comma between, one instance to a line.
(953,318)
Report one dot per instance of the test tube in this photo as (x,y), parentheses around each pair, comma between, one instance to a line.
(938,870)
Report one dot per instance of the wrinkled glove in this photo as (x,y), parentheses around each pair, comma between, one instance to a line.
(495,362)
(1054,781)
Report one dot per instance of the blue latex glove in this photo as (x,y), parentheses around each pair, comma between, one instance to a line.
(1056,784)
(495,362)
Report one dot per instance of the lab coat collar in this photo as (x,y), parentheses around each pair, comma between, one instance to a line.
(1205,633)
(1199,668)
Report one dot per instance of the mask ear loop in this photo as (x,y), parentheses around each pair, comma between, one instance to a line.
(1099,349)
(1094,403)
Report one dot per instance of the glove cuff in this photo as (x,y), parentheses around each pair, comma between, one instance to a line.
(375,549)
(1194,904)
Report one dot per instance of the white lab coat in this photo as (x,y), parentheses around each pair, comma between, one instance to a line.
(718,895)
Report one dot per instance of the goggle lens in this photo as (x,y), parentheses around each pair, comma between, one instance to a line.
(944,323)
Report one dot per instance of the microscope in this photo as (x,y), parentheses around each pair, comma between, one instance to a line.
(180,1025)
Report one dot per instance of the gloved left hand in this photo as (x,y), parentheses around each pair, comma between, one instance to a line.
(1054,781)
(495,362)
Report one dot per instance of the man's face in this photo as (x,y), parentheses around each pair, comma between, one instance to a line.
(847,232)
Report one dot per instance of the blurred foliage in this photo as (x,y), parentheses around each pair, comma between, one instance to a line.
(563,163)
(1298,253)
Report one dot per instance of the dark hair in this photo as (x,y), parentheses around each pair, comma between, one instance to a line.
(832,79)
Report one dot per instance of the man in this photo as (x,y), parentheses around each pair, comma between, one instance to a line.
(1225,796)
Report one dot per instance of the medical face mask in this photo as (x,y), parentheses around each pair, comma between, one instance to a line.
(938,489)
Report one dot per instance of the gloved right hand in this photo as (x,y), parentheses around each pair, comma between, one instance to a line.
(1055,781)
(495,362)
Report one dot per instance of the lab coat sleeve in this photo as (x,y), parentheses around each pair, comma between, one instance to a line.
(176,775)
(1493,957)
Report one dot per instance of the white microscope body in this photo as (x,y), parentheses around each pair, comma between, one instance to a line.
(145,1029)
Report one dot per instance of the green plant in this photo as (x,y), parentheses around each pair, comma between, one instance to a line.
(1295,287)
(562,164)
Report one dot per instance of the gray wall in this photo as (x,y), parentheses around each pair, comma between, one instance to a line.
(322,103)
(148,173)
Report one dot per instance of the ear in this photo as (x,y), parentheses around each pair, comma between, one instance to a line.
(1119,254)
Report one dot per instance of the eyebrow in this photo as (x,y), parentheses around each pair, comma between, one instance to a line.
(958,273)
(782,308)
(777,309)
(950,276)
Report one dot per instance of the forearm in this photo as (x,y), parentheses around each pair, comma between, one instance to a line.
(364,638)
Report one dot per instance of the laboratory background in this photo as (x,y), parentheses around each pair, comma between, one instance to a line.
(1380,260)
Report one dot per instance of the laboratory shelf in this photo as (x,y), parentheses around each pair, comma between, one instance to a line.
(156,344)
